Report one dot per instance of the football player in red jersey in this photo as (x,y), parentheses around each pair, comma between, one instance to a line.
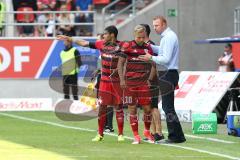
(110,92)
(134,81)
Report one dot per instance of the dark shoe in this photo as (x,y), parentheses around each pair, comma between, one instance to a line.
(170,141)
(108,129)
(158,137)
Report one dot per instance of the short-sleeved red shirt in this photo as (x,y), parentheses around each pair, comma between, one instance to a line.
(109,58)
(137,71)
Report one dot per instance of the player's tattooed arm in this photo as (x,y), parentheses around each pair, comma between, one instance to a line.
(120,66)
(152,72)
(79,42)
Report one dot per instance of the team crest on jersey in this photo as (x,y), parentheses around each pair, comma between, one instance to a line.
(135,59)
(99,101)
(117,48)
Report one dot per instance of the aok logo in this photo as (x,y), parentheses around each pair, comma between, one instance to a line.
(18,59)
(205,127)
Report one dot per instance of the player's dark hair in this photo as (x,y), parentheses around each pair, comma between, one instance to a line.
(112,30)
(147,27)
(228,45)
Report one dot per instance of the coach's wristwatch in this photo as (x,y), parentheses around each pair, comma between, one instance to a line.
(151,58)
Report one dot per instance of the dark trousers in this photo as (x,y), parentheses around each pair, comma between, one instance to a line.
(168,82)
(70,81)
(109,120)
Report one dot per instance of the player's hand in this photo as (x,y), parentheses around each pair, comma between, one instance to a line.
(123,84)
(146,57)
(220,62)
(94,74)
(64,38)
(149,82)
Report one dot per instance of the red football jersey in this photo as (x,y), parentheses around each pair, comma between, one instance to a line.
(109,59)
(137,71)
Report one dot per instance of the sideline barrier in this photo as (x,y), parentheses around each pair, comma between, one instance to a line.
(200,92)
(37,58)
(26,104)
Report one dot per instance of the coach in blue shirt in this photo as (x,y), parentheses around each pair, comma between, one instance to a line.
(168,56)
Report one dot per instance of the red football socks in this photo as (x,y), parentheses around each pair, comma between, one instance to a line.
(134,124)
(147,118)
(120,120)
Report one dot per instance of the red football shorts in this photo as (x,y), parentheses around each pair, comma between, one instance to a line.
(110,93)
(137,95)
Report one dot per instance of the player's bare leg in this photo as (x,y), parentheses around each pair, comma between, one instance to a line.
(132,109)
(147,118)
(156,125)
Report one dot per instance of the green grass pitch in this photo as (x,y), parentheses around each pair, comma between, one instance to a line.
(42,136)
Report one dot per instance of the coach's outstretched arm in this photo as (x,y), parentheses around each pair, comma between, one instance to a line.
(79,42)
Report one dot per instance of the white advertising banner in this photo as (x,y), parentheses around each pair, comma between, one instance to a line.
(26,104)
(201,91)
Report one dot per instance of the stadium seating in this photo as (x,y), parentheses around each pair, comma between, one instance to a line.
(21,17)
(101,1)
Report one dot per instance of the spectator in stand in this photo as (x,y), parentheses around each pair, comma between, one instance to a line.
(28,30)
(49,3)
(43,18)
(81,30)
(21,6)
(68,19)
(226,61)
(26,3)
(84,5)
(71,6)
(49,29)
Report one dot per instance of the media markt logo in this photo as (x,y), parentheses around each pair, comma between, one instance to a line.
(206,127)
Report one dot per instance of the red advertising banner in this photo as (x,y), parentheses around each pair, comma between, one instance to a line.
(22,58)
(187,86)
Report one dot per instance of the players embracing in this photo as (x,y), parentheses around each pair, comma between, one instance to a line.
(124,79)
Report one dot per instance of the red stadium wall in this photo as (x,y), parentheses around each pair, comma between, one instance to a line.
(236,55)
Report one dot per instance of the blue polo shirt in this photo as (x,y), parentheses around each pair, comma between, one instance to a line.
(168,50)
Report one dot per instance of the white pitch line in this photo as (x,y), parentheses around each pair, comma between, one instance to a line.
(46,122)
(203,151)
(209,139)
(110,134)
